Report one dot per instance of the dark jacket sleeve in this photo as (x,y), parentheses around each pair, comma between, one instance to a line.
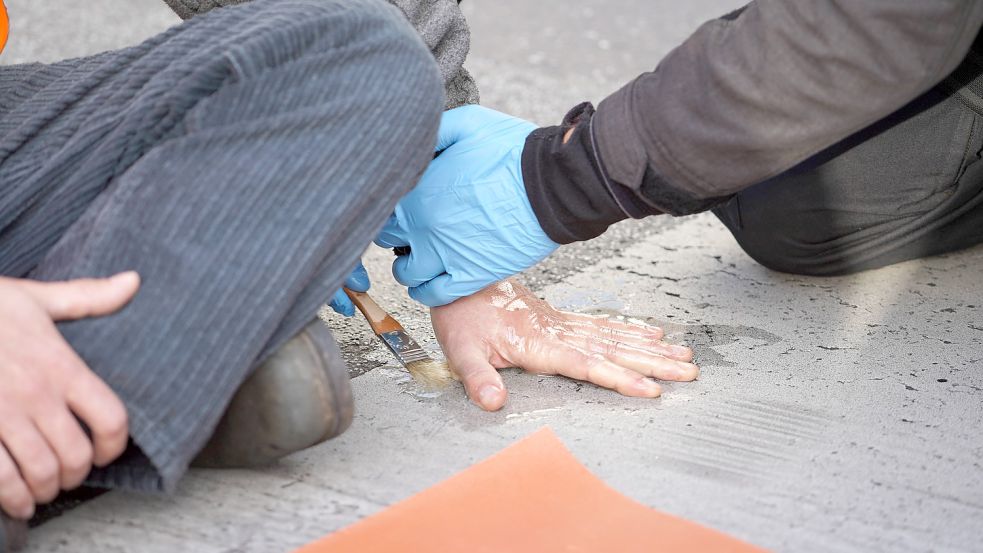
(749,96)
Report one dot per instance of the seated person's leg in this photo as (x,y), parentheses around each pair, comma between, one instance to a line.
(240,163)
(908,187)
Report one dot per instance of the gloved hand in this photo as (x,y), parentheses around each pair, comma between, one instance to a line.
(358,281)
(468,222)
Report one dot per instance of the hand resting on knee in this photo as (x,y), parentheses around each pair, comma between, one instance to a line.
(46,389)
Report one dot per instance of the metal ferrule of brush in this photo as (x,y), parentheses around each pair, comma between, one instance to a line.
(405,347)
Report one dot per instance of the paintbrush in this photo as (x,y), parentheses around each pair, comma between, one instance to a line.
(427,371)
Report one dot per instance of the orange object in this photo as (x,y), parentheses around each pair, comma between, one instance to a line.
(4,25)
(532,497)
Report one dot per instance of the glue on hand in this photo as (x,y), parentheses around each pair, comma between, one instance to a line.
(506,325)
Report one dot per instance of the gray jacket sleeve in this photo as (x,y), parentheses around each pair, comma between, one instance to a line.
(439,22)
(747,97)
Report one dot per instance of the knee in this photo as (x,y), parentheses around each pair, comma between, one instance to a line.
(319,54)
(405,71)
(258,36)
(780,239)
(365,47)
(776,253)
(394,72)
(350,73)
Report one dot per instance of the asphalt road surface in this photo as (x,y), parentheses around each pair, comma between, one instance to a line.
(834,414)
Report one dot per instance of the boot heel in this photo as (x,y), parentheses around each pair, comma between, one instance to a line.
(299,397)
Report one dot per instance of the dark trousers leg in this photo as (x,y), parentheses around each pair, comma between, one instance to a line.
(908,187)
(240,162)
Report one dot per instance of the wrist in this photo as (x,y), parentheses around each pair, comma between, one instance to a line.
(565,181)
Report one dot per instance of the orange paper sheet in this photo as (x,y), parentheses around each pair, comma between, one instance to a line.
(532,497)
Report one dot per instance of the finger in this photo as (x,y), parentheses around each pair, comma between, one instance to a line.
(341,304)
(15,497)
(392,234)
(458,123)
(437,292)
(105,415)
(569,361)
(419,266)
(648,343)
(481,380)
(69,443)
(36,461)
(87,297)
(599,329)
(626,327)
(358,280)
(644,361)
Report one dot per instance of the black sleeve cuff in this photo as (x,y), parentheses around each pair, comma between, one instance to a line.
(626,162)
(566,183)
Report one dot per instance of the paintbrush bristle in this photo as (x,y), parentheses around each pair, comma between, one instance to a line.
(432,374)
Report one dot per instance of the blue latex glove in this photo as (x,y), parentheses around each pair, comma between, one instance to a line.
(468,222)
(358,281)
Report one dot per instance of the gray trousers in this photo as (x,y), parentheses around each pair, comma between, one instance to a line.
(240,162)
(907,187)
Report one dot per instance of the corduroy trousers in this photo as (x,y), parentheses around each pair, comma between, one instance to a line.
(240,162)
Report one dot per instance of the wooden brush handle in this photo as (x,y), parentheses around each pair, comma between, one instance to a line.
(380,321)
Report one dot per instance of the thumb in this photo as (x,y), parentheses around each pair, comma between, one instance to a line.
(418,267)
(481,380)
(85,297)
(456,124)
(441,290)
(392,234)
(359,279)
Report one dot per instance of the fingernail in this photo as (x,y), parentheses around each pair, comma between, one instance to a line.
(686,370)
(649,386)
(488,395)
(679,350)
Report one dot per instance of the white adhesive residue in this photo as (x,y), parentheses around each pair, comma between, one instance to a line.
(518,417)
(506,294)
(550,328)
(516,305)
(515,340)
(674,398)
